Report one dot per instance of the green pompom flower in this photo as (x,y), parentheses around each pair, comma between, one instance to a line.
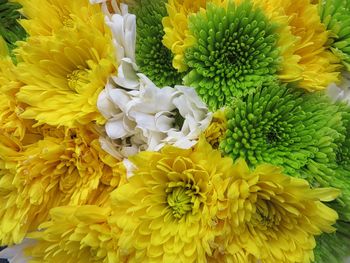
(153,58)
(284,126)
(234,52)
(10,29)
(333,247)
(302,132)
(335,15)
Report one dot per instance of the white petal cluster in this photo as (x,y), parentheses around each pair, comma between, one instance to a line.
(340,92)
(123,28)
(142,116)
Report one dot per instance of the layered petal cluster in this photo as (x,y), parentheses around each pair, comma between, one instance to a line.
(231,55)
(276,216)
(62,167)
(148,117)
(63,75)
(195,206)
(78,234)
(304,133)
(320,66)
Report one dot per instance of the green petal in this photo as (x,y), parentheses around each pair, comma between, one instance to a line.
(235,52)
(334,247)
(335,15)
(153,58)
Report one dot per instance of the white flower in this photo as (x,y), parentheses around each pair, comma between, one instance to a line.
(123,28)
(149,118)
(340,92)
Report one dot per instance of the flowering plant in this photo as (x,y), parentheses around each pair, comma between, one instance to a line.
(175,131)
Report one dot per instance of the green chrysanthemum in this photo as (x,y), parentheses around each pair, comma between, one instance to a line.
(10,29)
(284,126)
(334,247)
(341,167)
(335,15)
(302,132)
(153,58)
(234,52)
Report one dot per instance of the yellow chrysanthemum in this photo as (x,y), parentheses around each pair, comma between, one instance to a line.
(63,73)
(62,13)
(319,66)
(64,167)
(216,130)
(177,36)
(275,217)
(79,234)
(167,210)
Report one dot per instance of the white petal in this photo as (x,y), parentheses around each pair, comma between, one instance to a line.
(116,129)
(120,98)
(109,147)
(127,77)
(163,122)
(105,105)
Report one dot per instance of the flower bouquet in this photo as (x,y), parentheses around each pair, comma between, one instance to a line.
(175,131)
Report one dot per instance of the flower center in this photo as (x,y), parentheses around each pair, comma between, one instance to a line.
(180,200)
(266,215)
(77,79)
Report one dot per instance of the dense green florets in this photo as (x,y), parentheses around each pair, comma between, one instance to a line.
(284,126)
(333,247)
(10,29)
(235,52)
(335,15)
(153,58)
(305,133)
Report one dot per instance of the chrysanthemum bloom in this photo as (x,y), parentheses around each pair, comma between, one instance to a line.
(320,66)
(137,121)
(167,210)
(177,37)
(63,167)
(77,234)
(63,73)
(285,126)
(275,216)
(153,58)
(62,13)
(10,29)
(335,14)
(234,52)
